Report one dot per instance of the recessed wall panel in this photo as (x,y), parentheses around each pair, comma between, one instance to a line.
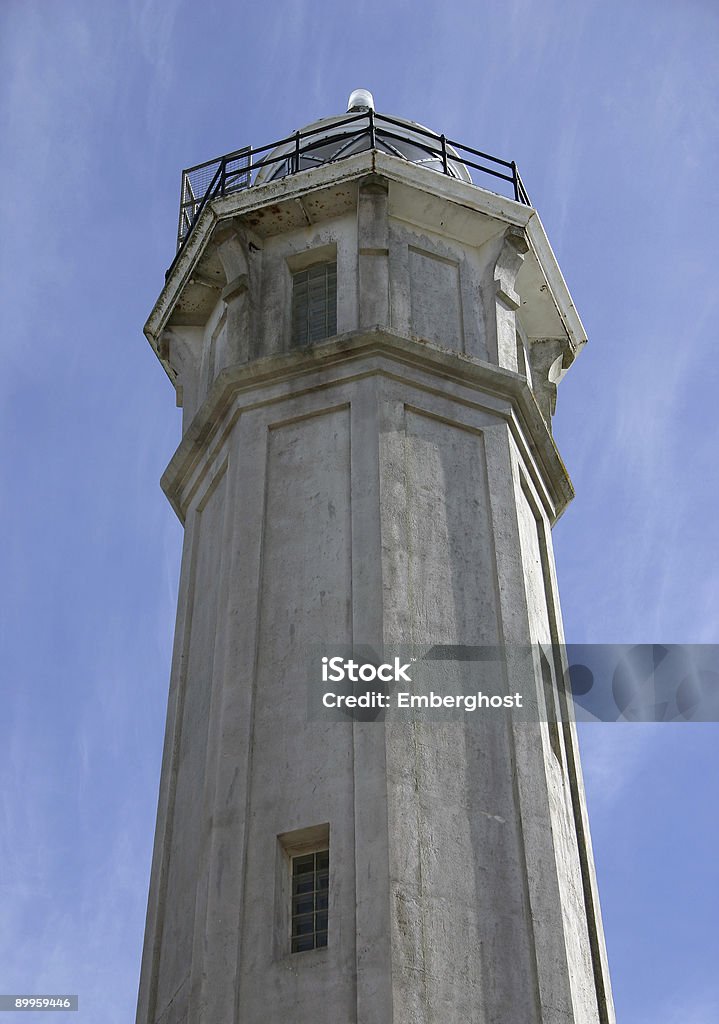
(451,584)
(456,850)
(189,810)
(436,312)
(301,771)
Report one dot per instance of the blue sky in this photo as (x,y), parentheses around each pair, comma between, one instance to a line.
(610,111)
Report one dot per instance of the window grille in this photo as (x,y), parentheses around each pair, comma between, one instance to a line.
(314,303)
(310,889)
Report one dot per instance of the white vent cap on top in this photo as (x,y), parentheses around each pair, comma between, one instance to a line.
(360,99)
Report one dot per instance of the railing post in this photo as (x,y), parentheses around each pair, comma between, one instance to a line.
(371,129)
(515,181)
(444,154)
(297,152)
(523,197)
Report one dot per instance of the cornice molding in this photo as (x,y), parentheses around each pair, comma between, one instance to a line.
(360,354)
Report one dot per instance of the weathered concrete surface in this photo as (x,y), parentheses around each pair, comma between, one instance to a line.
(395,484)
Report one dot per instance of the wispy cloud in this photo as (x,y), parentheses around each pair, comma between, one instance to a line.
(697,1008)
(612,757)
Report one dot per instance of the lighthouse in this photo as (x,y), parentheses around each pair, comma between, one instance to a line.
(365,326)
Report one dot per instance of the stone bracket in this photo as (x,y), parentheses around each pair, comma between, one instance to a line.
(508,264)
(501,298)
(546,358)
(236,287)
(232,250)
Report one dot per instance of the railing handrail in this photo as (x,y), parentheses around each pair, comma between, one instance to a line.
(438,147)
(304,134)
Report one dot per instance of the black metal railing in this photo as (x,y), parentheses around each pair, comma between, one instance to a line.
(237,171)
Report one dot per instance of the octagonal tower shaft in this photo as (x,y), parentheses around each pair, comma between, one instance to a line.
(394,481)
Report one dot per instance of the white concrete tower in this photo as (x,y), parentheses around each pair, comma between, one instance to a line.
(366,344)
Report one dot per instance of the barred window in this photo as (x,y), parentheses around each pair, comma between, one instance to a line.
(310,890)
(314,303)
